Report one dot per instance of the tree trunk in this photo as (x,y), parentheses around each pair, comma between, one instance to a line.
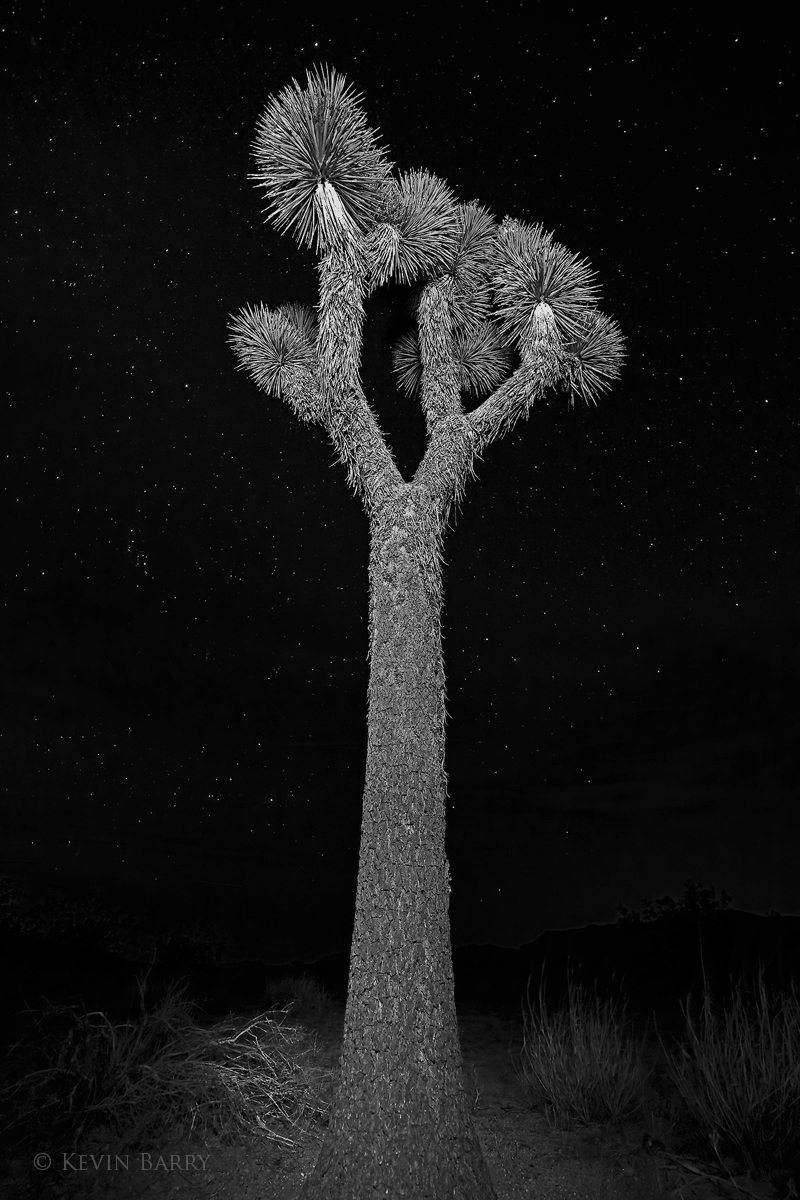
(401,1125)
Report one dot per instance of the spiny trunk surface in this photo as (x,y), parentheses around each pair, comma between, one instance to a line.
(401,1125)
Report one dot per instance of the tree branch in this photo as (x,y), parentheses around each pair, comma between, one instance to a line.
(441,385)
(458,439)
(346,414)
(500,412)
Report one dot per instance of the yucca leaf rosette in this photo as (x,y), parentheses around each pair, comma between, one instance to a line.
(481,359)
(416,229)
(541,290)
(470,266)
(318,160)
(277,350)
(593,357)
(464,278)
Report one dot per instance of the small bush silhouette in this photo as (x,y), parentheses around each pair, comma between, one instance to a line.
(697,901)
(302,996)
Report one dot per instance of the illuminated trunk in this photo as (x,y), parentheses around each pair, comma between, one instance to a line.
(401,1125)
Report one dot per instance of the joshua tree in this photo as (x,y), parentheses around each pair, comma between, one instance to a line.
(493,303)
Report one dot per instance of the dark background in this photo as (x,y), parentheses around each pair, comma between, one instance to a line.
(183,665)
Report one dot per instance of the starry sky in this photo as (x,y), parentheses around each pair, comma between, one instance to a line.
(184,621)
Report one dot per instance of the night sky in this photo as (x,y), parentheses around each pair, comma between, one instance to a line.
(184,613)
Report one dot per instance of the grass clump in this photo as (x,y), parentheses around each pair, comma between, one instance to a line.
(729,1088)
(738,1073)
(581,1062)
(76,1071)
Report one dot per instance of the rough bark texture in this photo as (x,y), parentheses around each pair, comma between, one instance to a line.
(401,1125)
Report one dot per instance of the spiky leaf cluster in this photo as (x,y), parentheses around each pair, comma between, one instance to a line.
(481,359)
(273,346)
(594,357)
(541,290)
(417,229)
(470,266)
(484,289)
(303,319)
(319,162)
